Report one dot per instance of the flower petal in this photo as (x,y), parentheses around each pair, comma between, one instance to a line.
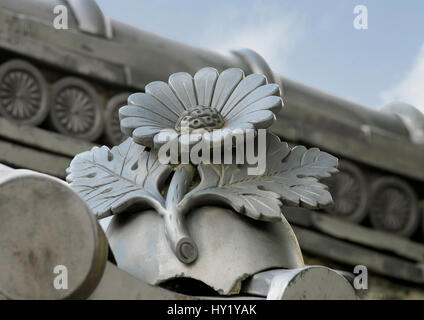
(271,103)
(144,135)
(162,92)
(246,86)
(225,85)
(128,125)
(204,81)
(236,125)
(182,85)
(260,119)
(132,117)
(148,104)
(258,94)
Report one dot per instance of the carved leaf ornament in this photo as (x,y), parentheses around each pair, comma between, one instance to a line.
(130,177)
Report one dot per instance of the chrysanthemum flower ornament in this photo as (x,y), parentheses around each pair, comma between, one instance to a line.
(207,107)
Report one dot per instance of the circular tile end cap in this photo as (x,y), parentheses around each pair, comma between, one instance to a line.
(51,246)
(311,283)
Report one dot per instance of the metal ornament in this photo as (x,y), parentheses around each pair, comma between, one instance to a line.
(130,178)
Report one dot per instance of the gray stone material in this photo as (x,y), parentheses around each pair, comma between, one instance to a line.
(307,283)
(42,139)
(240,246)
(313,242)
(350,232)
(131,175)
(44,224)
(24,157)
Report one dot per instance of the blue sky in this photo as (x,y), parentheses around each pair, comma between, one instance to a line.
(311,41)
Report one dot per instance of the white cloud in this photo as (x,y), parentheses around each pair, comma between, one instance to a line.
(262,27)
(267,27)
(411,88)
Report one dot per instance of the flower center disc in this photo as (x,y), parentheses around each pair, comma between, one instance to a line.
(198,118)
